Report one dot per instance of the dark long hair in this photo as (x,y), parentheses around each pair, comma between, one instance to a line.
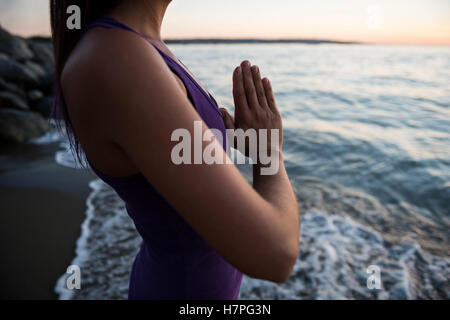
(64,40)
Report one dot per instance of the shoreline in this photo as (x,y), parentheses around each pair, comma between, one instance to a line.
(43,206)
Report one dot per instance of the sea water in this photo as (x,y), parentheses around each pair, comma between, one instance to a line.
(367,149)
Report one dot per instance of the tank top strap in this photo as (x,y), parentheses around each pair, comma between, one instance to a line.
(108,22)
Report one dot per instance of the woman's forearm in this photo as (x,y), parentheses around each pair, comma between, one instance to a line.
(277,190)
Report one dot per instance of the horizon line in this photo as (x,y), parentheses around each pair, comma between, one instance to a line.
(249,40)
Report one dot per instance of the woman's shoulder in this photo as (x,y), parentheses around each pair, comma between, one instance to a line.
(107,54)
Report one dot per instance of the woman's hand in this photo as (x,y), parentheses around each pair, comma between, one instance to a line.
(255,106)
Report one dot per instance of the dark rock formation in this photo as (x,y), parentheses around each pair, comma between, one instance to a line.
(26,87)
(35,95)
(20,126)
(12,100)
(15,47)
(16,72)
(44,106)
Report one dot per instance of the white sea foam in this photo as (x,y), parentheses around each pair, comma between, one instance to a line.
(66,158)
(334,256)
(50,136)
(105,249)
(335,253)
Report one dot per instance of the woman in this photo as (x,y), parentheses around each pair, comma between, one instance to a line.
(122,94)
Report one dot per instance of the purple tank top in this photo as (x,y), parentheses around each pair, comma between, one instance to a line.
(173,262)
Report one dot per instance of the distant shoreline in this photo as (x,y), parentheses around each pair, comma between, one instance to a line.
(236,41)
(255,41)
(195,41)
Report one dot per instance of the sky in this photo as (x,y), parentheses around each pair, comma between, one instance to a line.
(377,21)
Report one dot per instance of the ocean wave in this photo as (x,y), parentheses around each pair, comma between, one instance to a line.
(105,250)
(336,251)
(335,255)
(49,137)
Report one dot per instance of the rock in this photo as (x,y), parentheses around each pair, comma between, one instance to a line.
(14,46)
(11,100)
(35,95)
(16,72)
(43,56)
(20,126)
(48,81)
(43,53)
(36,69)
(3,84)
(45,106)
(45,77)
(398,293)
(11,87)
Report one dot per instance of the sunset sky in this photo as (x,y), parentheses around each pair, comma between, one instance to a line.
(383,21)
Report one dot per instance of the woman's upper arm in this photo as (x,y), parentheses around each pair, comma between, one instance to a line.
(144,104)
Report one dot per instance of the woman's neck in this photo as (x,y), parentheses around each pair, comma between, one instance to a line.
(144,16)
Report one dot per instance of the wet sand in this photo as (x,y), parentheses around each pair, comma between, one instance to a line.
(42,206)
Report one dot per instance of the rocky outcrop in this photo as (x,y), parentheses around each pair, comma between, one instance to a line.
(20,126)
(44,106)
(16,72)
(14,46)
(26,87)
(12,100)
